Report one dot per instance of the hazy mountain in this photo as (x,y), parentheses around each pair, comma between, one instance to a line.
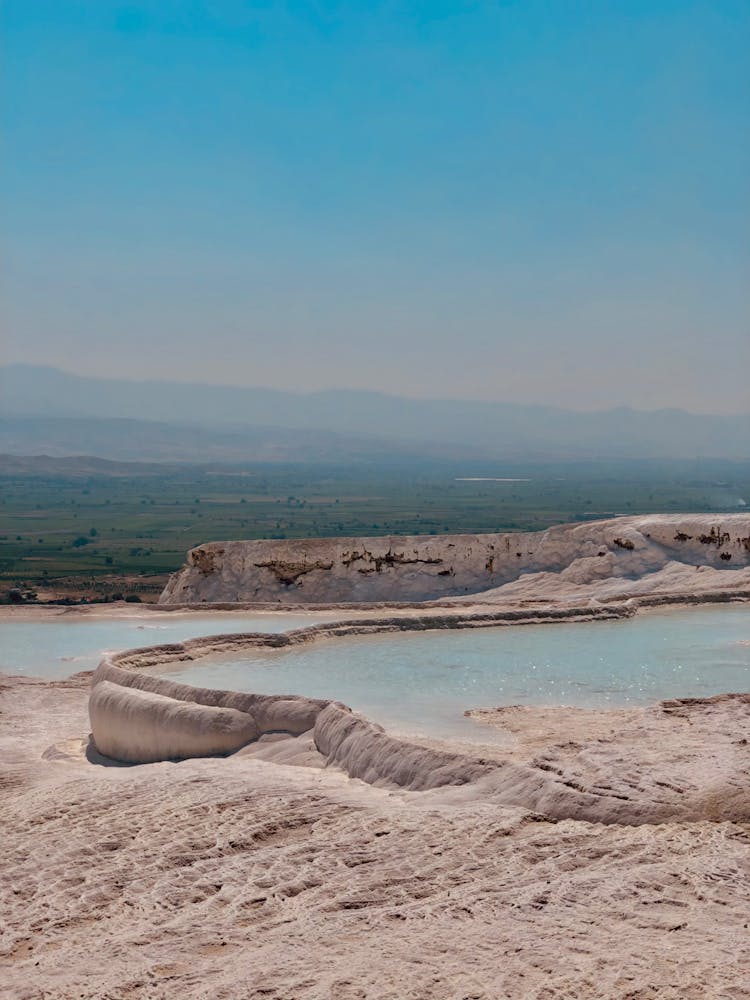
(84,466)
(127,440)
(259,416)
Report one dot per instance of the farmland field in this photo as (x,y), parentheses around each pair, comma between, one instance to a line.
(93,532)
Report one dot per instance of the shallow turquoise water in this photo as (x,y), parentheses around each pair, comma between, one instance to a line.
(61,646)
(422,682)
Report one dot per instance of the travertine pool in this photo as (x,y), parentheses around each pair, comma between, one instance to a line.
(422,682)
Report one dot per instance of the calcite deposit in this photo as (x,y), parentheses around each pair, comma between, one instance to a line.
(138,717)
(201,843)
(624,556)
(270,873)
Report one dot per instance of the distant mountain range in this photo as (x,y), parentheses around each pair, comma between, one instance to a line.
(127,440)
(45,410)
(83,466)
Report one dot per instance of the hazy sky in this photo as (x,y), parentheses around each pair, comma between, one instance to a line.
(513,200)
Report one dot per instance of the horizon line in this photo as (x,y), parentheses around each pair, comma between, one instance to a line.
(131,380)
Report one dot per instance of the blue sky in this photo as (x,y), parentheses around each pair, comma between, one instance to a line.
(520,200)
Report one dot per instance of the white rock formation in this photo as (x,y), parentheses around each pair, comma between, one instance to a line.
(640,554)
(239,878)
(141,727)
(140,718)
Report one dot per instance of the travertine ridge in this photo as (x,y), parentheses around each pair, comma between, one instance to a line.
(138,717)
(619,557)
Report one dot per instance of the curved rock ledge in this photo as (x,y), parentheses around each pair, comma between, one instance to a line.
(146,728)
(137,717)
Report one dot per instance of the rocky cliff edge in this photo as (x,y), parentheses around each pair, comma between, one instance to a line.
(616,558)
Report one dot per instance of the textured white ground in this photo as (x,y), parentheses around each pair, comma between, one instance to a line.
(268,874)
(245,878)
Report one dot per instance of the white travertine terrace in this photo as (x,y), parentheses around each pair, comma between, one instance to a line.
(137,717)
(619,557)
(235,875)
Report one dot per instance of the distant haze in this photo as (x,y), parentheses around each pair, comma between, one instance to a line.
(47,411)
(540,202)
